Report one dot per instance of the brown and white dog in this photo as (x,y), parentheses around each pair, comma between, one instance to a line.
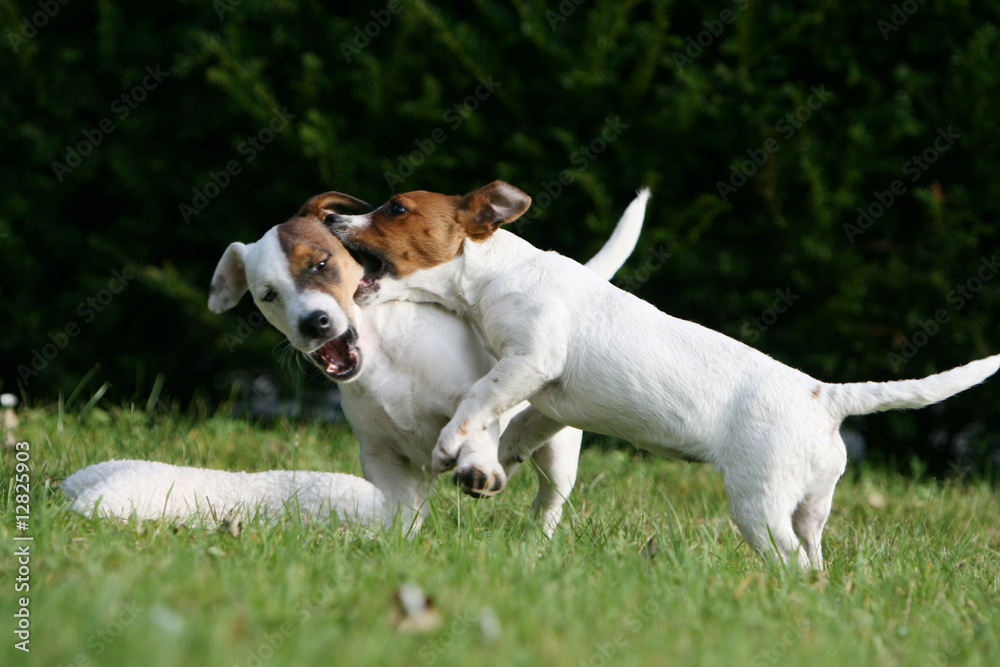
(402,368)
(593,356)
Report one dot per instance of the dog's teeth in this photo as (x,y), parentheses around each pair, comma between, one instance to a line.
(330,368)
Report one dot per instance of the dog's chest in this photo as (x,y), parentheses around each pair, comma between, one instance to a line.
(392,408)
(421,362)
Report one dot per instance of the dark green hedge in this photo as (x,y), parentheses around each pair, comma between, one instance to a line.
(825,175)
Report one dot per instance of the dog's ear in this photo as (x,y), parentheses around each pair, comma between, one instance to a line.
(230,279)
(482,211)
(323,205)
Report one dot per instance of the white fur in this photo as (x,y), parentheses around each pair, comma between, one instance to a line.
(591,355)
(151,490)
(418,363)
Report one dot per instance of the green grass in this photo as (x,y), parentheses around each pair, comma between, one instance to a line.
(912,573)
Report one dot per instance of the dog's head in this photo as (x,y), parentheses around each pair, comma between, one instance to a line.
(420,230)
(303,280)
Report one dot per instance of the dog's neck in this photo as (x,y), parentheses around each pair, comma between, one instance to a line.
(382,327)
(441,284)
(367,323)
(462,284)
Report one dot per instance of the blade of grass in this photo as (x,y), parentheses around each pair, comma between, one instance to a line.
(98,395)
(80,385)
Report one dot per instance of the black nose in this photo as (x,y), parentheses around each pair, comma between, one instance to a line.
(315,325)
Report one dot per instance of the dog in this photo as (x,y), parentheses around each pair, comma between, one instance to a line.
(402,368)
(596,357)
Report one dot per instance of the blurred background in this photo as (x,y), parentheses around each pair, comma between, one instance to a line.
(825,179)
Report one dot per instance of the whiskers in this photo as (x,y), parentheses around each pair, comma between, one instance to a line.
(288,355)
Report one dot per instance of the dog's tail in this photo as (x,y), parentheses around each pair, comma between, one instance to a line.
(862,398)
(610,258)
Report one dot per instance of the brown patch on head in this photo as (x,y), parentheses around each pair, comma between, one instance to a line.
(318,261)
(413,231)
(419,230)
(815,392)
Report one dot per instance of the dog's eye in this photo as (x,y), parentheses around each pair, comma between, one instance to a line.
(397,209)
(330,219)
(318,267)
(269,295)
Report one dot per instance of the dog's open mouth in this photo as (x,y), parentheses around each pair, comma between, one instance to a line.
(339,357)
(375,267)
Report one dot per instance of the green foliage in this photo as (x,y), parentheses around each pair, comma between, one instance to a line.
(912,576)
(686,107)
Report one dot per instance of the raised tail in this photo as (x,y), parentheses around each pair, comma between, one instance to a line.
(862,398)
(619,247)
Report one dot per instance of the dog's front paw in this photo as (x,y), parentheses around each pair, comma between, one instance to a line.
(472,452)
(480,480)
(448,450)
(442,460)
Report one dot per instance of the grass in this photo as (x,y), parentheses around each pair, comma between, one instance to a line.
(912,574)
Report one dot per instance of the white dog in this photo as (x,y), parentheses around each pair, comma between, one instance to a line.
(402,368)
(151,490)
(593,356)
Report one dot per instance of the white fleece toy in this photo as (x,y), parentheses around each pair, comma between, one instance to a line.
(151,490)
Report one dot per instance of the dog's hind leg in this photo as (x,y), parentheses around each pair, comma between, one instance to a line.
(808,521)
(527,431)
(403,485)
(764,516)
(813,511)
(557,462)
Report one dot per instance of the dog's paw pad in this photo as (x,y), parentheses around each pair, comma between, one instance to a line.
(479,483)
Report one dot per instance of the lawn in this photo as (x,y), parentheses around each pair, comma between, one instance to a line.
(646,569)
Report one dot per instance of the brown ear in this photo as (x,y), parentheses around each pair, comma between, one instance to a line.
(332,202)
(484,210)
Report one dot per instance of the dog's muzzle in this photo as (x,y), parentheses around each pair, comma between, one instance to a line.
(339,358)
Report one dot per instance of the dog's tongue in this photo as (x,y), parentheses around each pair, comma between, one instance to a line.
(336,355)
